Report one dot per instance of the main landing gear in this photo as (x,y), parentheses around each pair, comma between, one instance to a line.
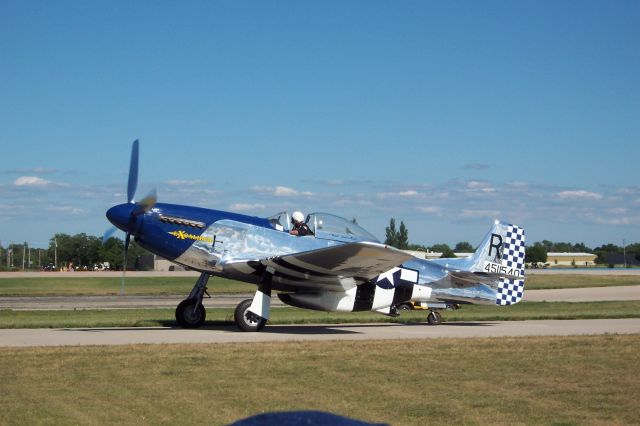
(250,314)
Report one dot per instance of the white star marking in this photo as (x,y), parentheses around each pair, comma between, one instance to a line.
(388,275)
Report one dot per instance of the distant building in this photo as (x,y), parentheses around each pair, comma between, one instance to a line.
(571,259)
(163,265)
(432,254)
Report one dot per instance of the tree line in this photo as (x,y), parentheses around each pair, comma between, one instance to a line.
(399,238)
(80,251)
(535,253)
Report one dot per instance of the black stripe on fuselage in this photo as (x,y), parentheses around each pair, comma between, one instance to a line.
(403,292)
(364,297)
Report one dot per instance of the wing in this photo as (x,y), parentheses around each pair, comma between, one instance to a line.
(333,268)
(362,260)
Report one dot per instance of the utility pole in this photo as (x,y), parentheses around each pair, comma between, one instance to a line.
(55,253)
(29,248)
(624,251)
(24,249)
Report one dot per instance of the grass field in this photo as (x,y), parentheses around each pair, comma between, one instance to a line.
(216,317)
(540,281)
(50,285)
(534,380)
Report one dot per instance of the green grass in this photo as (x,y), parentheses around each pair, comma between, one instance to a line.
(50,285)
(165,317)
(533,380)
(544,281)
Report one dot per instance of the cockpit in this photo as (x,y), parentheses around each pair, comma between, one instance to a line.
(326,226)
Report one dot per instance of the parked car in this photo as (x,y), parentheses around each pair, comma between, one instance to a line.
(104,266)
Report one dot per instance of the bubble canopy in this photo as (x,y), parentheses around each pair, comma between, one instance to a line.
(329,226)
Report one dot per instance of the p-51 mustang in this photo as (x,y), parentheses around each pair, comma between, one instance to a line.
(339,267)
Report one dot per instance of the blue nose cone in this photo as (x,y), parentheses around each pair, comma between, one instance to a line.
(121,216)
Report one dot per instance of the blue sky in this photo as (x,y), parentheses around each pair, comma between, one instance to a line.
(445,115)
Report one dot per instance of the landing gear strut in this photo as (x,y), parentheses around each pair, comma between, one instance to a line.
(190,313)
(434,318)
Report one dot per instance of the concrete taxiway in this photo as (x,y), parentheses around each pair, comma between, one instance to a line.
(282,333)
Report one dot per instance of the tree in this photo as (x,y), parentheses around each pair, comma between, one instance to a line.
(604,251)
(402,239)
(463,247)
(397,238)
(440,248)
(536,254)
(448,254)
(391,233)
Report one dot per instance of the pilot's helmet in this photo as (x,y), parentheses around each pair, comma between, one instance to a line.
(297,217)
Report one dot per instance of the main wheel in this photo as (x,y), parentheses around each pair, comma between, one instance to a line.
(248,321)
(434,318)
(405,307)
(187,316)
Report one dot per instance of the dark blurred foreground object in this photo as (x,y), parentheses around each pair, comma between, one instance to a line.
(301,418)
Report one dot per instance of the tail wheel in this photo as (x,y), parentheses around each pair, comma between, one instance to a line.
(248,321)
(187,316)
(434,318)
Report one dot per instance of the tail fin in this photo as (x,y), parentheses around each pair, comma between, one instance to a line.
(502,253)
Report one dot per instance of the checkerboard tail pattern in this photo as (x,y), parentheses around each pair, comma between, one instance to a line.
(510,291)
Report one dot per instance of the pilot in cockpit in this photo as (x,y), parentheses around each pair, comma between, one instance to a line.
(299,227)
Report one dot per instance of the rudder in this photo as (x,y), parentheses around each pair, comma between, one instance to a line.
(502,252)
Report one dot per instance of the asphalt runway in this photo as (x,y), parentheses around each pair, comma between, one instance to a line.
(284,333)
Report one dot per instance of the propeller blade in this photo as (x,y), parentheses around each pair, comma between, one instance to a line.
(146,203)
(132,185)
(108,234)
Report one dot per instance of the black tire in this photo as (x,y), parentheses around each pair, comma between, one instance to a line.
(245,320)
(405,307)
(434,318)
(187,317)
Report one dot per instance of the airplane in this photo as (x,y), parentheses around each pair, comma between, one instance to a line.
(339,266)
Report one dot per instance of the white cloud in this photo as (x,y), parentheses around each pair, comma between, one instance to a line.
(580,194)
(617,210)
(65,209)
(31,181)
(477,214)
(246,207)
(280,191)
(283,191)
(404,194)
(430,210)
(479,186)
(185,182)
